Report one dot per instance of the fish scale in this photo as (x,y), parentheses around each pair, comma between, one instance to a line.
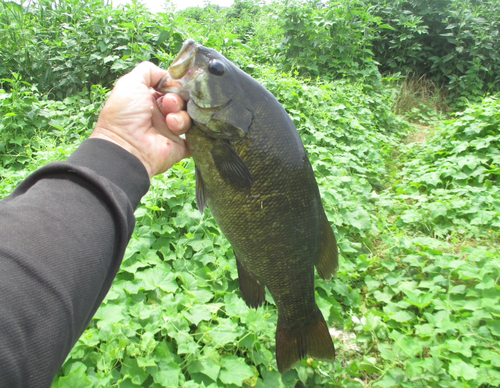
(253,172)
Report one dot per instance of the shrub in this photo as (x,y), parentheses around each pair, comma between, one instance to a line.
(67,46)
(454,43)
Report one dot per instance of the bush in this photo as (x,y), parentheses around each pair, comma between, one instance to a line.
(454,43)
(332,40)
(67,46)
(30,121)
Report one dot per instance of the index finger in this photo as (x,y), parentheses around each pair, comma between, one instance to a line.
(146,73)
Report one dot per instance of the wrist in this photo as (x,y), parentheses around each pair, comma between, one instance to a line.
(115,164)
(108,135)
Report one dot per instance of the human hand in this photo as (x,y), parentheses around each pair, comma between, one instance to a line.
(143,122)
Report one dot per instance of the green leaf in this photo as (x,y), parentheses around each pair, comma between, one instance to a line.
(324,306)
(386,352)
(425,330)
(202,296)
(225,332)
(458,368)
(410,216)
(483,217)
(392,379)
(76,378)
(108,314)
(199,313)
(133,371)
(369,365)
(463,346)
(403,316)
(234,370)
(140,310)
(303,372)
(147,361)
(121,65)
(199,243)
(386,27)
(167,374)
(141,240)
(271,379)
(438,209)
(359,218)
(407,347)
(385,296)
(433,365)
(164,35)
(208,366)
(263,356)
(461,289)
(157,277)
(494,326)
(235,305)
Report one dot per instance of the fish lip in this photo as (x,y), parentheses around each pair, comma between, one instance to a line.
(180,72)
(213,108)
(184,59)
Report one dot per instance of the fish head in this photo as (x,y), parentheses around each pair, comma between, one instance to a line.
(213,87)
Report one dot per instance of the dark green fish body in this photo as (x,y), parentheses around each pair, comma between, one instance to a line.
(254,173)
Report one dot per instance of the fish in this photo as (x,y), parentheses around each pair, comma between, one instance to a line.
(252,170)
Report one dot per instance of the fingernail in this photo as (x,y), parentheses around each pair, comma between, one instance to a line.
(180,121)
(175,100)
(160,101)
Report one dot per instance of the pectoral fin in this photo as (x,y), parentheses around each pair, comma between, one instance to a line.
(253,292)
(201,197)
(230,166)
(328,262)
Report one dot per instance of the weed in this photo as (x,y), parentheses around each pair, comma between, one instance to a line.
(417,218)
(420,100)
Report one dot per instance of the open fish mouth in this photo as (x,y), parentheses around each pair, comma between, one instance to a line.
(184,59)
(180,71)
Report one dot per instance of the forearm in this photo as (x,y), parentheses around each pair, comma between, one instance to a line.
(63,233)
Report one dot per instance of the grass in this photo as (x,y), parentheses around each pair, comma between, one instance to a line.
(420,100)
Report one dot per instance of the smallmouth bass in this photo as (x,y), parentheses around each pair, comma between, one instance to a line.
(254,173)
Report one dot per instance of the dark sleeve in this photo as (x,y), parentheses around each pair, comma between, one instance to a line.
(63,233)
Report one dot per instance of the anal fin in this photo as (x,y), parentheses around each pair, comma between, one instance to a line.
(295,342)
(252,290)
(328,262)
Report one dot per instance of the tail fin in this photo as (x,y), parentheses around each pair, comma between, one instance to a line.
(293,343)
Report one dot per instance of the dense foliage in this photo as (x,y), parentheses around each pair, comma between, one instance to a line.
(416,208)
(454,43)
(67,46)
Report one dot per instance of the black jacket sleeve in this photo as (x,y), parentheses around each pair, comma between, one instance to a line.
(63,233)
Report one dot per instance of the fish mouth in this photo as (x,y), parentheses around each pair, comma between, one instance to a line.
(184,59)
(180,70)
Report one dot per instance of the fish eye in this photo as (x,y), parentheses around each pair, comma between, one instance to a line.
(216,67)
